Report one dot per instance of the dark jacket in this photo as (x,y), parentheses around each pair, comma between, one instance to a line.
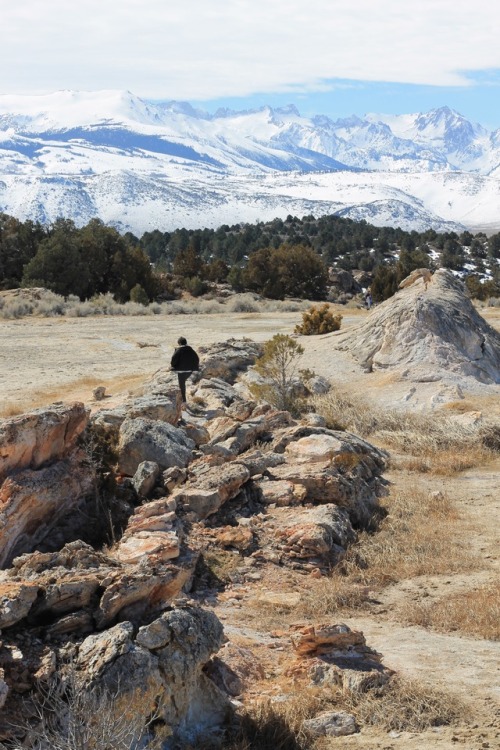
(185,359)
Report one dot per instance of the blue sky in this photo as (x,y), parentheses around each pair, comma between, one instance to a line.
(479,102)
(334,57)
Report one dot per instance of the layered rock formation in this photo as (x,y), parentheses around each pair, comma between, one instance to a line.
(241,475)
(429,330)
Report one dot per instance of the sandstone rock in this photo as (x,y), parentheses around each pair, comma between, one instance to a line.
(99,393)
(314,448)
(173,477)
(160,545)
(319,535)
(33,503)
(215,394)
(163,408)
(145,477)
(205,493)
(321,639)
(16,600)
(39,437)
(149,440)
(241,436)
(331,724)
(227,359)
(258,462)
(145,588)
(281,493)
(234,669)
(434,330)
(239,537)
(197,433)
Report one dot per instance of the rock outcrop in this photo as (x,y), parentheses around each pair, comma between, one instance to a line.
(45,478)
(427,331)
(240,475)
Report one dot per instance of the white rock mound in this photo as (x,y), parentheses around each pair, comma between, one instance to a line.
(428,331)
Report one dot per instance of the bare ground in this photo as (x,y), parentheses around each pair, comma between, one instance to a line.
(43,360)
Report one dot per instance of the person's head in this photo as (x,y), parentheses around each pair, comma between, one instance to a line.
(181,341)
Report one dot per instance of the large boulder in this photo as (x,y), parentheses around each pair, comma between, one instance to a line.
(39,437)
(150,440)
(428,330)
(164,663)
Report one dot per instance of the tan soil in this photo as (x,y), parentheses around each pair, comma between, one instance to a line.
(43,360)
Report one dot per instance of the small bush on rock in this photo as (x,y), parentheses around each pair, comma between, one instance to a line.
(278,365)
(318,320)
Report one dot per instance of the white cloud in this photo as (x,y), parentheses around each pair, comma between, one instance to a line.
(197,49)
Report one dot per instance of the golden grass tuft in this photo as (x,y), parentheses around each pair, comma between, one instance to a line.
(404,705)
(475,613)
(421,535)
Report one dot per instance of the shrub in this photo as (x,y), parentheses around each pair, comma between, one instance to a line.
(278,365)
(318,320)
(195,286)
(138,294)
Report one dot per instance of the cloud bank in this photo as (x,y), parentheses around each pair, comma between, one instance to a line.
(203,50)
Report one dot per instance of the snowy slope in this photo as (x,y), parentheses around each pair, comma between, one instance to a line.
(141,165)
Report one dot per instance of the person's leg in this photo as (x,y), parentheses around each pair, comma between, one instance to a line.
(182,377)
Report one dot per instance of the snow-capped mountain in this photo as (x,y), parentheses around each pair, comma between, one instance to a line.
(142,165)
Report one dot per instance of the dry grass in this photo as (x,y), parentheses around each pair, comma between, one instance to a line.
(434,443)
(401,705)
(421,535)
(404,705)
(475,613)
(21,303)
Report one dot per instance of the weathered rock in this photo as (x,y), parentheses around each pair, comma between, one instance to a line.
(145,477)
(318,535)
(215,394)
(163,408)
(258,462)
(99,393)
(234,669)
(280,492)
(173,477)
(205,493)
(331,724)
(16,600)
(427,330)
(226,360)
(322,639)
(33,503)
(333,467)
(239,537)
(149,440)
(197,433)
(32,440)
(239,437)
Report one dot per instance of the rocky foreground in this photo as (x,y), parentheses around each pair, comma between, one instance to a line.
(105,521)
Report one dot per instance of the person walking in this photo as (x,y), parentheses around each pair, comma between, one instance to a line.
(184,361)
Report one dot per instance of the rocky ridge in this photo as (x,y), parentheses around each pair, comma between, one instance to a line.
(116,604)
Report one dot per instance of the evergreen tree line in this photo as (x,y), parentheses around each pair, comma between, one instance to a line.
(276,259)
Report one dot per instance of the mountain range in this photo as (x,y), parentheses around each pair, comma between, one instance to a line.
(142,165)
